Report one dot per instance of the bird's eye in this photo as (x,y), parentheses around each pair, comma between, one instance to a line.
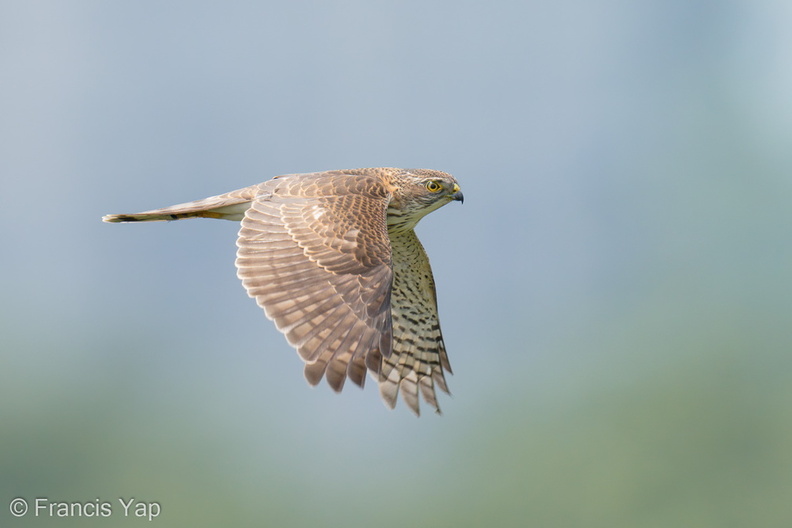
(433,186)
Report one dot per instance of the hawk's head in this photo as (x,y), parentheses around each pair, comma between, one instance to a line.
(419,192)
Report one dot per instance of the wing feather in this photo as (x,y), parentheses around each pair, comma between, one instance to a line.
(418,360)
(313,250)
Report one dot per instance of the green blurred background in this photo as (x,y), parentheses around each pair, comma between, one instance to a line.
(616,292)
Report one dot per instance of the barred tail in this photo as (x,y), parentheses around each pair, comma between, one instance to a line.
(231,206)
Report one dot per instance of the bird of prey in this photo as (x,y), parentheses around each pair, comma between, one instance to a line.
(333,260)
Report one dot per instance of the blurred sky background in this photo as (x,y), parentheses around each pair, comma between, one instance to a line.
(615,293)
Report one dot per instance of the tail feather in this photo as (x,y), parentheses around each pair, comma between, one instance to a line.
(230,206)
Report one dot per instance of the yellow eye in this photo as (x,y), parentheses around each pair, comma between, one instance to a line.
(433,186)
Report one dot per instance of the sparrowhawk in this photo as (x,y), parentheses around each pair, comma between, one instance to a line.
(333,260)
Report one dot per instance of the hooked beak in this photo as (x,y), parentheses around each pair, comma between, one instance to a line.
(458,196)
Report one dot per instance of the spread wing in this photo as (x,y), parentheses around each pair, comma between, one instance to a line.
(314,252)
(419,355)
